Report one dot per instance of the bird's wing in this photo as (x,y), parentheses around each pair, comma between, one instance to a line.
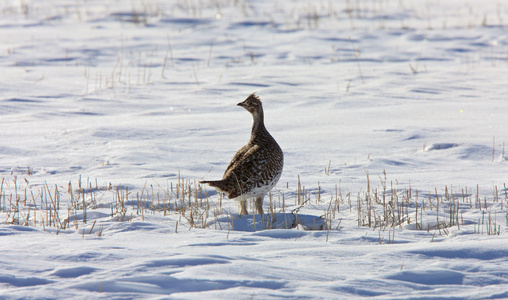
(239,156)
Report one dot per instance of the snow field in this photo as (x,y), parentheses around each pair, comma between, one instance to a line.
(390,115)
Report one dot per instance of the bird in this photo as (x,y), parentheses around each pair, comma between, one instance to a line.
(256,167)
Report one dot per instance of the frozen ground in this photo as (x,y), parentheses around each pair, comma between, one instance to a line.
(391,115)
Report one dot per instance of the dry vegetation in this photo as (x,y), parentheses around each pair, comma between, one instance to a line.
(385,207)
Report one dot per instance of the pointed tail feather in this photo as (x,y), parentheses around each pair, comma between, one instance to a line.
(207,181)
(218,184)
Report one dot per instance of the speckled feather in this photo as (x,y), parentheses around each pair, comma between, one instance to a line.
(256,167)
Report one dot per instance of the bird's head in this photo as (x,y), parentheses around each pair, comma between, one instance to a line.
(252,104)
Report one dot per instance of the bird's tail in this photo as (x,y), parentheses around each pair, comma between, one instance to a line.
(217,184)
(213,183)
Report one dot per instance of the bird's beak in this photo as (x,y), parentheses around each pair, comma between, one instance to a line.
(240,104)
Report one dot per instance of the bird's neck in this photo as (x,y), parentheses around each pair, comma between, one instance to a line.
(258,125)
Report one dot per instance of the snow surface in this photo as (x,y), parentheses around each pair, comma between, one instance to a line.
(119,104)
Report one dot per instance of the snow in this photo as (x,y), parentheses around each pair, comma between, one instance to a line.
(391,116)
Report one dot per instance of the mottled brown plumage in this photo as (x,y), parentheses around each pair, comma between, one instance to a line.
(256,167)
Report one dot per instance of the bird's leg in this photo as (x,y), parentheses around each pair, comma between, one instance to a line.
(258,202)
(243,208)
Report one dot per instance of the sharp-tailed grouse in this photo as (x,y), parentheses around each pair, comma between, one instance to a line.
(256,167)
